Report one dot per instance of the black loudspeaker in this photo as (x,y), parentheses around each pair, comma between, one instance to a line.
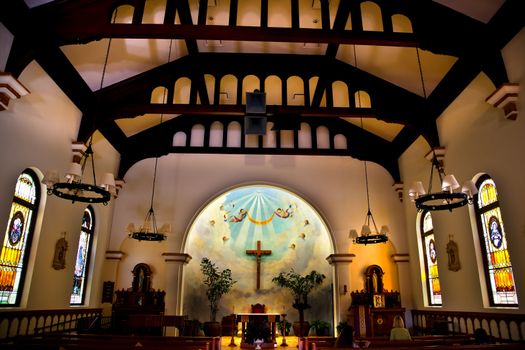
(255,102)
(255,125)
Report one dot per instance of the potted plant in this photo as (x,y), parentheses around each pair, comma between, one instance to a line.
(287,327)
(320,328)
(217,284)
(300,287)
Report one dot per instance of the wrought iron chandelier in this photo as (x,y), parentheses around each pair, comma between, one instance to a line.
(449,198)
(367,235)
(73,188)
(149,231)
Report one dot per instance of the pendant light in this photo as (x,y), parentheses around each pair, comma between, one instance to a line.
(74,188)
(149,231)
(452,195)
(369,234)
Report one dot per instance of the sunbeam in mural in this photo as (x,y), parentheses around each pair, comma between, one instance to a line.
(250,230)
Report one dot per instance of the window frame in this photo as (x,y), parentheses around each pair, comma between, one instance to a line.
(90,232)
(33,208)
(482,242)
(423,235)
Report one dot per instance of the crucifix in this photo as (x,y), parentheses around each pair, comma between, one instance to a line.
(258,253)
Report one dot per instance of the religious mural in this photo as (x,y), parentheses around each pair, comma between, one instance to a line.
(258,231)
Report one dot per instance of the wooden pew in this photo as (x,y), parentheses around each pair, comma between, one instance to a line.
(115,342)
(500,346)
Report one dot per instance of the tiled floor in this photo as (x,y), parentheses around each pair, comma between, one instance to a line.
(291,342)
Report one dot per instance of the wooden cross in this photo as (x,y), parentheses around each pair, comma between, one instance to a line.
(258,253)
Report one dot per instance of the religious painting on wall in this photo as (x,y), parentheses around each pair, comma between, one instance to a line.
(258,231)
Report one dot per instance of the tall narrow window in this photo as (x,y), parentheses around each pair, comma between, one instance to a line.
(496,258)
(431,261)
(82,259)
(18,237)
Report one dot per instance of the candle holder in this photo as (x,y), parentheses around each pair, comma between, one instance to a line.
(232,341)
(283,331)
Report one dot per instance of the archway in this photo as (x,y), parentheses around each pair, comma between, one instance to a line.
(289,229)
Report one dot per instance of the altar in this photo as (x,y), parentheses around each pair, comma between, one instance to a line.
(257,320)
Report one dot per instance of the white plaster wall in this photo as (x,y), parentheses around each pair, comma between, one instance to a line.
(185,183)
(37,131)
(478,139)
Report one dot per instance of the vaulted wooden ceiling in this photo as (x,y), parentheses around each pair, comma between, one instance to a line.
(410,58)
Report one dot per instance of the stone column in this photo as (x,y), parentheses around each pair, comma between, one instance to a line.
(405,284)
(341,276)
(109,273)
(174,277)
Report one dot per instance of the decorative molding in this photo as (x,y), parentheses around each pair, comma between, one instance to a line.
(398,258)
(505,97)
(340,258)
(398,187)
(439,152)
(114,255)
(79,150)
(10,89)
(176,257)
(119,184)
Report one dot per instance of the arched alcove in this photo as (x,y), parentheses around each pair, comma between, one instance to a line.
(288,228)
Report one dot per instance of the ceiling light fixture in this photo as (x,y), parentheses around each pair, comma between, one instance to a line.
(367,235)
(149,231)
(449,198)
(73,188)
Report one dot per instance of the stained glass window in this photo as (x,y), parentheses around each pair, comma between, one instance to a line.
(498,267)
(431,261)
(82,257)
(18,237)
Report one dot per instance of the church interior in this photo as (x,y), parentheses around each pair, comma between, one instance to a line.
(186,161)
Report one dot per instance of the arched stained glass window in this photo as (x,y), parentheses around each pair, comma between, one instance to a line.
(496,258)
(18,237)
(431,261)
(82,257)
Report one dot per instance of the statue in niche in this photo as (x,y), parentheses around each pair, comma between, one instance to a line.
(374,279)
(141,278)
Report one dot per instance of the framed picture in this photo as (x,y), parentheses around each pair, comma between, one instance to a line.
(107,291)
(379,300)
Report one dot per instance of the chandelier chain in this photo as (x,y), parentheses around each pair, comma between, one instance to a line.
(160,122)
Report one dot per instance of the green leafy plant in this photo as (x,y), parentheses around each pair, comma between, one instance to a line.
(320,327)
(217,282)
(300,287)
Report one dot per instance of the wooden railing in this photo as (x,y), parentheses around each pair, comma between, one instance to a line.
(500,326)
(31,322)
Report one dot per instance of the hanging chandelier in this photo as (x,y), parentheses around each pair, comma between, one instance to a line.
(450,197)
(149,231)
(368,236)
(73,188)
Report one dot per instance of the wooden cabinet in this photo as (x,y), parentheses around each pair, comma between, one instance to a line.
(381,320)
(141,300)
